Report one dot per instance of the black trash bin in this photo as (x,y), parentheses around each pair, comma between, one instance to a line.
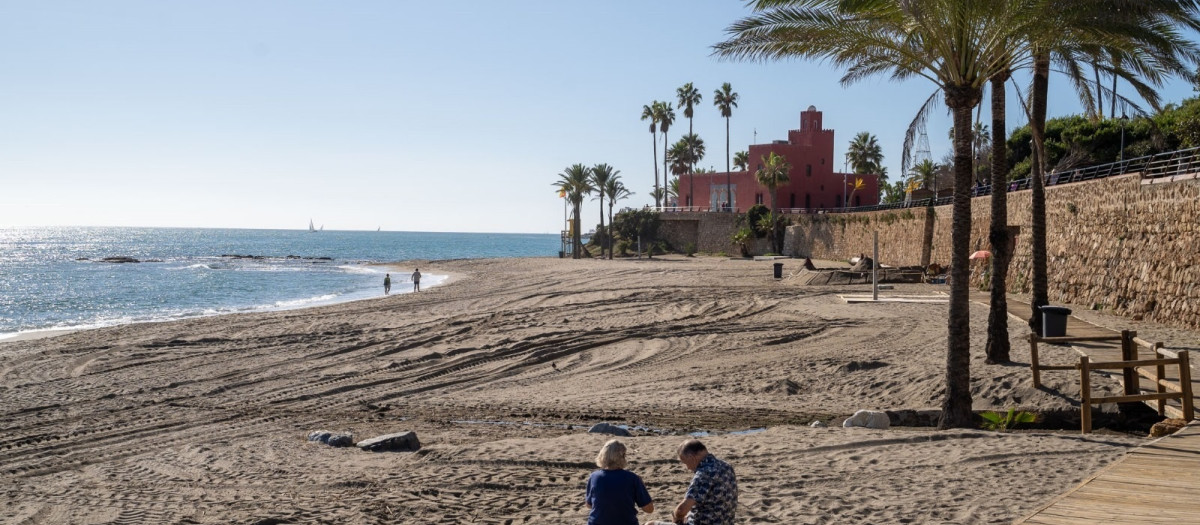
(1054,321)
(779,270)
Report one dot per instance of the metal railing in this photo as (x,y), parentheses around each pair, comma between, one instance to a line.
(1151,167)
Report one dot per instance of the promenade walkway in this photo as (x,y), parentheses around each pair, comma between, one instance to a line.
(1019,310)
(1153,484)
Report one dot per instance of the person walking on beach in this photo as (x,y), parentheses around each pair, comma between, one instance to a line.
(711,499)
(416,279)
(387,283)
(614,494)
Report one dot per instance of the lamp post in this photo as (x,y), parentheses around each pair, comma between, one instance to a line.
(1121,159)
(845,168)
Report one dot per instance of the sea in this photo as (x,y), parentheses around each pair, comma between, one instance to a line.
(57,278)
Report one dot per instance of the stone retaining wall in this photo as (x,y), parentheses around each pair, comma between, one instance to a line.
(711,232)
(1113,244)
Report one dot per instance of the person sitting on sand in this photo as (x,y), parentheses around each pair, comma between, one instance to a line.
(613,493)
(711,499)
(416,279)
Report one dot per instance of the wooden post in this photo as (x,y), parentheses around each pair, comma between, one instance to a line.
(1085,394)
(1033,361)
(1185,384)
(1129,352)
(1161,374)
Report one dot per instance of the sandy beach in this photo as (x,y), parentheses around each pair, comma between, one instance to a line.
(500,372)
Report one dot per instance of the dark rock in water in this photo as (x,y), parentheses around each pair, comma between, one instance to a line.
(119,260)
(82,259)
(608,428)
(333,439)
(402,441)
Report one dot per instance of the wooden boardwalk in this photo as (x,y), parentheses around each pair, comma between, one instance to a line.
(1154,483)
(1099,350)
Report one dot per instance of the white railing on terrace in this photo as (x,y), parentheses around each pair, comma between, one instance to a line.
(1159,166)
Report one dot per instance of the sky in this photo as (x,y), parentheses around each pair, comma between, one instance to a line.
(401,115)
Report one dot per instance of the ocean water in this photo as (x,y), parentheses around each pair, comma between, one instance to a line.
(52,278)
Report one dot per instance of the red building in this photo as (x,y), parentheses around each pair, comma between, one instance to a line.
(812,185)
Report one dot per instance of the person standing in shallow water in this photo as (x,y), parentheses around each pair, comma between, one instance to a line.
(416,279)
(387,283)
(614,494)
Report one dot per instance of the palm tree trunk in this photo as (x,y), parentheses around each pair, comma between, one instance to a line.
(956,408)
(665,172)
(728,180)
(691,170)
(1041,84)
(654,140)
(998,347)
(610,236)
(603,232)
(576,237)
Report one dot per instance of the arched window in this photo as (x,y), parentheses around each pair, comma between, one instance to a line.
(808,170)
(807,201)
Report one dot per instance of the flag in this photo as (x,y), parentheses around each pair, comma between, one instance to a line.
(562,194)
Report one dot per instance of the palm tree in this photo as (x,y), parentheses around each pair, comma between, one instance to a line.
(925,174)
(576,182)
(650,112)
(956,44)
(864,155)
(689,97)
(601,174)
(741,160)
(773,174)
(694,146)
(615,190)
(680,158)
(1143,41)
(998,346)
(725,100)
(666,117)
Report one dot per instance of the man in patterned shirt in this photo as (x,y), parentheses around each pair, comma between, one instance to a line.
(712,497)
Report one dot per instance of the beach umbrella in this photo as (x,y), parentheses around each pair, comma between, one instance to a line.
(981,254)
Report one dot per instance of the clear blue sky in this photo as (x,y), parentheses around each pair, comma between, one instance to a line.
(421,116)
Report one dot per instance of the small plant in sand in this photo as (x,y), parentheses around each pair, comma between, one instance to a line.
(1003,422)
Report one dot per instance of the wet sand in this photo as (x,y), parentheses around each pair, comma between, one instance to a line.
(500,372)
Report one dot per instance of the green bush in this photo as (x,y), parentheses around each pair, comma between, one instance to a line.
(757,216)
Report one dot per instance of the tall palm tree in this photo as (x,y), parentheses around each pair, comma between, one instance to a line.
(725,100)
(864,154)
(925,174)
(694,146)
(615,190)
(689,97)
(576,182)
(997,347)
(601,174)
(666,117)
(772,175)
(956,44)
(1145,44)
(741,160)
(651,113)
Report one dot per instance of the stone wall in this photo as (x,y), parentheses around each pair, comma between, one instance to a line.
(1113,244)
(711,232)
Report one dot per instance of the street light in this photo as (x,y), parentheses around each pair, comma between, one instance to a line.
(1124,119)
(845,168)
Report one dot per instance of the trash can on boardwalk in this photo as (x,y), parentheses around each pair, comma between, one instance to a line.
(779,270)
(1054,321)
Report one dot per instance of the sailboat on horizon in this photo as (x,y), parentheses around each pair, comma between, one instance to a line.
(314,230)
